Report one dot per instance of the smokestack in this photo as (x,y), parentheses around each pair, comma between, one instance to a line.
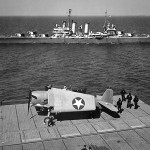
(74,27)
(86,28)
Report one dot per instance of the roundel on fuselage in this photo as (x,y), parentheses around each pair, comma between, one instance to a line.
(78,103)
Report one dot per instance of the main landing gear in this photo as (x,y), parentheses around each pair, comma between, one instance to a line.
(49,120)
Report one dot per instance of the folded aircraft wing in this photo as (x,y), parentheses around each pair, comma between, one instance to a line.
(68,101)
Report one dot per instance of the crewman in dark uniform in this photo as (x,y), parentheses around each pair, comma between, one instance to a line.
(129,98)
(119,104)
(135,100)
(123,92)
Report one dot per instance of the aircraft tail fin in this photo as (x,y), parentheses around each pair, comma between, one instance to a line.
(108,96)
(107,100)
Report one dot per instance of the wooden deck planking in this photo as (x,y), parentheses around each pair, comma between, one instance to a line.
(115,141)
(137,112)
(127,115)
(134,123)
(106,116)
(25,120)
(54,134)
(79,121)
(30,136)
(44,133)
(64,123)
(33,146)
(33,129)
(102,127)
(10,138)
(66,131)
(38,119)
(96,120)
(85,128)
(119,124)
(13,147)
(145,120)
(96,142)
(134,140)
(144,133)
(145,108)
(75,143)
(54,145)
(9,118)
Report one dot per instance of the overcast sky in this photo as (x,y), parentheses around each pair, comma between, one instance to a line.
(79,7)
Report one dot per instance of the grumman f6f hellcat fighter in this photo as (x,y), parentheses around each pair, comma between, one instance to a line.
(56,100)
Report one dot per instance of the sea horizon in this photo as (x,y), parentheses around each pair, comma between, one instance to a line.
(94,66)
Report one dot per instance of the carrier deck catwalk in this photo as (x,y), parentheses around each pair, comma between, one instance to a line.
(21,132)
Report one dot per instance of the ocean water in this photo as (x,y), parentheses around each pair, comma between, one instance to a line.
(24,66)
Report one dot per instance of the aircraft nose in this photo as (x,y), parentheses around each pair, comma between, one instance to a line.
(33,100)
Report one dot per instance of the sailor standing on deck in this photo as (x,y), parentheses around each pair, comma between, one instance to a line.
(135,100)
(123,92)
(129,98)
(119,104)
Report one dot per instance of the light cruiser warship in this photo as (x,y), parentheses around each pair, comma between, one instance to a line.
(67,34)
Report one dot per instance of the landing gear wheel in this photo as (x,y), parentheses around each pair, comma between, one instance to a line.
(47,121)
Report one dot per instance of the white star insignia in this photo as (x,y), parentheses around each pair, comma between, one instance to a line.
(78,103)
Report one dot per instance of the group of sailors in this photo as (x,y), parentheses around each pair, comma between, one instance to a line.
(128,98)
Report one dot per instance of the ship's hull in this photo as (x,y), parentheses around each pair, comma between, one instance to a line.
(109,40)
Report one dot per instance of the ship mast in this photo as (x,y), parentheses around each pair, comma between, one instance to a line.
(69,18)
(105,23)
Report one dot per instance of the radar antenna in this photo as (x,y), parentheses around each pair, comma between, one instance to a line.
(105,23)
(69,18)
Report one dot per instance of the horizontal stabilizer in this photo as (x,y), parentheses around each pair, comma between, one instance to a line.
(108,105)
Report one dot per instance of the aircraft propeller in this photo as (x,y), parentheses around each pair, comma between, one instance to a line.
(29,97)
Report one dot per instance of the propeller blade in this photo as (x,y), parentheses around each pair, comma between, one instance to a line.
(34,96)
(29,97)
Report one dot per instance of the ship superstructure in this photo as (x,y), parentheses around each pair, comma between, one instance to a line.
(68,32)
(65,30)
